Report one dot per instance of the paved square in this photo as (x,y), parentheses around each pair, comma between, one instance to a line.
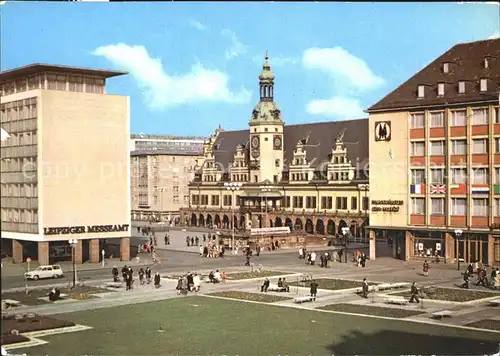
(203,325)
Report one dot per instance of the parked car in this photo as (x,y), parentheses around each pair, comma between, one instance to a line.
(53,271)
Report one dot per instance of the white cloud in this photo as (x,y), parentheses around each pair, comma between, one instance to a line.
(342,65)
(162,90)
(346,108)
(237,48)
(494,35)
(277,61)
(348,76)
(197,25)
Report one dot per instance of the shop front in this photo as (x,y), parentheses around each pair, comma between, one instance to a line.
(428,245)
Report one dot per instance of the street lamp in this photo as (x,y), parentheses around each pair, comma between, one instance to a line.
(345,230)
(458,233)
(265,189)
(232,186)
(73,243)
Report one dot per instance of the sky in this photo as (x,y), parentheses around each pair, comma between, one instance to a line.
(194,66)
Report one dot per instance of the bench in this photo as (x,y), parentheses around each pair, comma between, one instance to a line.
(304,299)
(441,314)
(114,284)
(494,303)
(11,303)
(396,301)
(275,288)
(370,289)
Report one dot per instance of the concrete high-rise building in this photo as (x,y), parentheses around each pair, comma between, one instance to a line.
(161,168)
(65,167)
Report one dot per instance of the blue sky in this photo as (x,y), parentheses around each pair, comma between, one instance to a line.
(195,65)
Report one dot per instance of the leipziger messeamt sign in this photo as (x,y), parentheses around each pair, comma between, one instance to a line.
(84,229)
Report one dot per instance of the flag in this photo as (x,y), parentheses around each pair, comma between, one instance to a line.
(458,189)
(496,189)
(417,189)
(480,189)
(438,189)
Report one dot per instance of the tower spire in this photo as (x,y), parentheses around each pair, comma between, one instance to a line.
(266,81)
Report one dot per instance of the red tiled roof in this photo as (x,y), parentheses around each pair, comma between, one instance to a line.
(466,63)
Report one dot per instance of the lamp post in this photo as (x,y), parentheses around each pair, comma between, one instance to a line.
(233,187)
(73,243)
(265,189)
(345,230)
(458,233)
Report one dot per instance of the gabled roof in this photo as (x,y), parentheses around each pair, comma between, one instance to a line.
(466,63)
(321,140)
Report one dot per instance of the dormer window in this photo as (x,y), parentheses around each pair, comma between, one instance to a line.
(446,67)
(483,85)
(440,89)
(421,91)
(461,87)
(486,64)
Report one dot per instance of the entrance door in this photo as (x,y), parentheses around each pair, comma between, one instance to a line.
(461,250)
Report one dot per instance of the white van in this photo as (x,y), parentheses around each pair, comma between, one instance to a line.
(53,271)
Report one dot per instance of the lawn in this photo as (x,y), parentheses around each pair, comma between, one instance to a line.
(256,297)
(80,293)
(332,284)
(209,326)
(451,294)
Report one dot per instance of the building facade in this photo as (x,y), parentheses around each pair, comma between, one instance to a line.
(161,169)
(65,163)
(311,177)
(438,137)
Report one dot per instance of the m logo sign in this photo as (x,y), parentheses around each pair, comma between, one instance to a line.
(382,131)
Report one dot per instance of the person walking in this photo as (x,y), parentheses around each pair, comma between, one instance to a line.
(414,293)
(313,289)
(425,268)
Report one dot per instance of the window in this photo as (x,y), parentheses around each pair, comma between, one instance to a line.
(418,206)
(437,148)
(496,115)
(437,206)
(366,203)
(483,85)
(497,176)
(480,207)
(458,206)
(458,176)
(417,121)
(417,176)
(458,118)
(480,146)
(480,176)
(461,87)
(458,147)
(446,67)
(326,202)
(437,119)
(440,89)
(480,117)
(341,203)
(354,203)
(496,207)
(437,176)
(421,91)
(417,148)
(497,145)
